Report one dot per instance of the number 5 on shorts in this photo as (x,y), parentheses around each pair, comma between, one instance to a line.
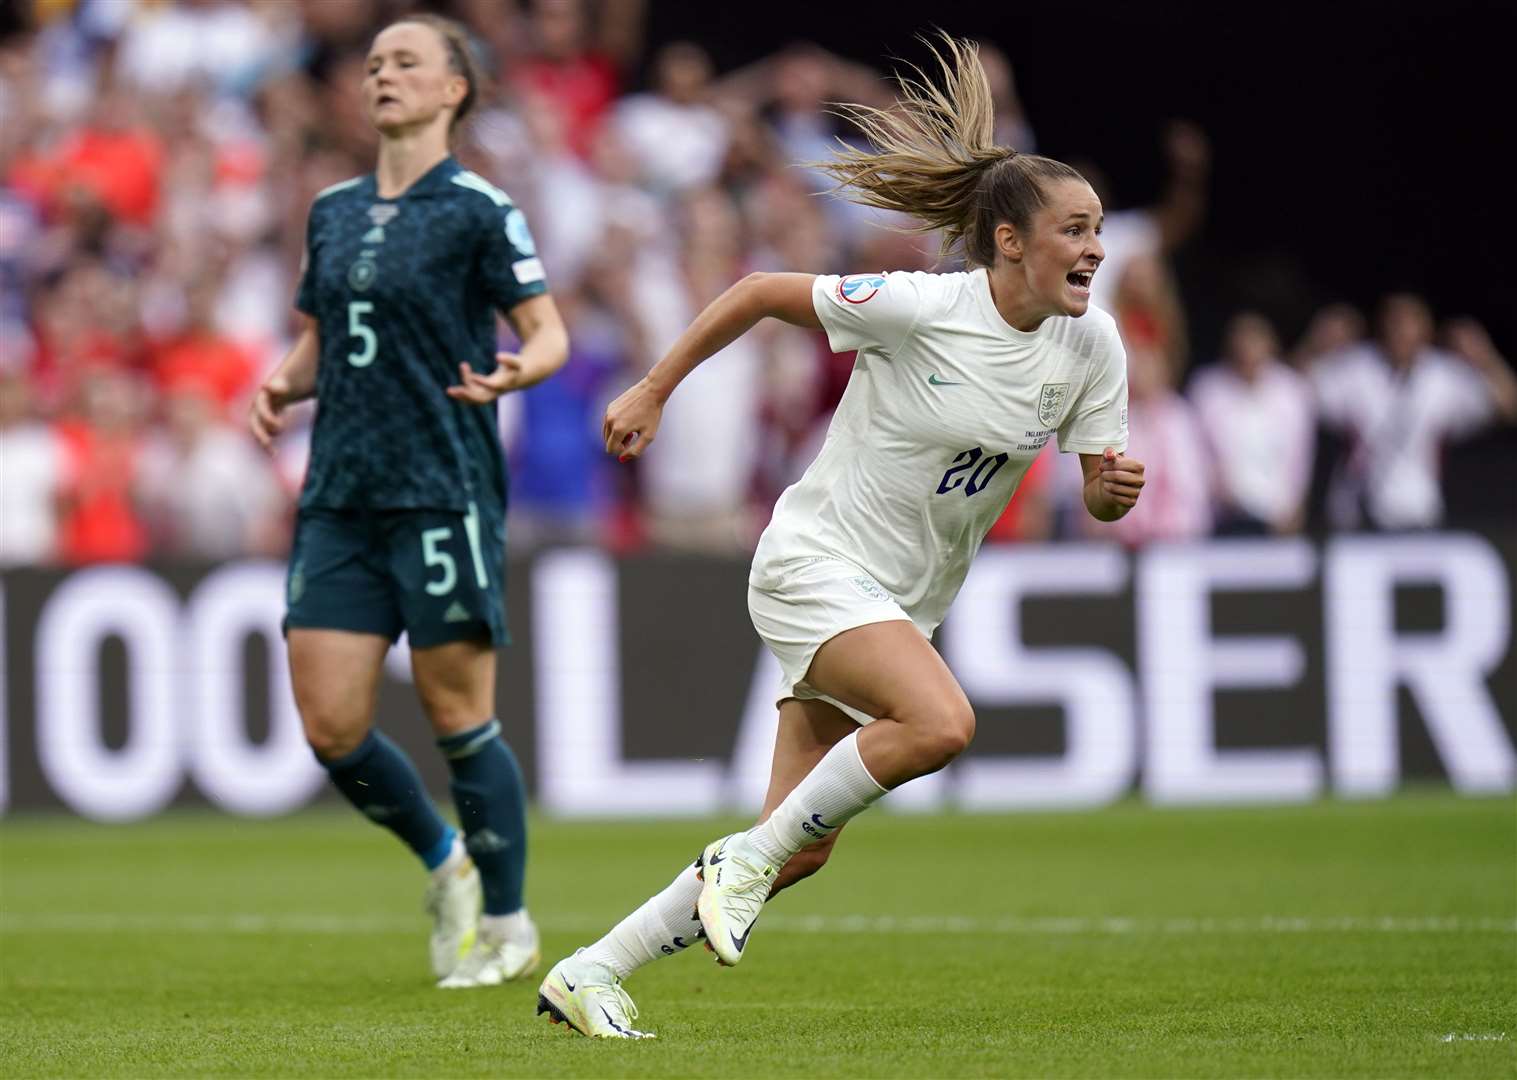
(433,555)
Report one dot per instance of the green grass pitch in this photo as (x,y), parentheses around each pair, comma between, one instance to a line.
(1365,939)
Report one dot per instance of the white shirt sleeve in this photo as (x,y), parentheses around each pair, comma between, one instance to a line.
(1099,416)
(1343,386)
(863,310)
(1464,403)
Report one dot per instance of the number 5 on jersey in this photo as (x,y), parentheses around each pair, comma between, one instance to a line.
(357,309)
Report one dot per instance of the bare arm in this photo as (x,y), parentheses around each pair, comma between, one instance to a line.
(1112,484)
(632,419)
(1183,206)
(544,348)
(1469,339)
(293,380)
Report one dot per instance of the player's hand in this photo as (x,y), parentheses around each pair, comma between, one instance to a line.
(266,415)
(1120,478)
(1468,339)
(1188,148)
(477,389)
(632,421)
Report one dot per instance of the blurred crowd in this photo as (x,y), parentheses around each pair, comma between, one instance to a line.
(158,157)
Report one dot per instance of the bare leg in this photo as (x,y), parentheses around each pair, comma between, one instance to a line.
(456,684)
(889,671)
(667,923)
(335,675)
(808,729)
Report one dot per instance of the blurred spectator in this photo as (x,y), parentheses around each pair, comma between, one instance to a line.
(103,445)
(32,467)
(1146,304)
(1156,230)
(204,490)
(696,478)
(577,64)
(561,479)
(217,42)
(1013,129)
(200,354)
(85,321)
(328,29)
(1165,434)
(792,91)
(113,161)
(1257,416)
(1332,329)
(677,137)
(1399,399)
(158,159)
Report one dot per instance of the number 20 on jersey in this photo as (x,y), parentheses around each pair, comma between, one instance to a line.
(972,470)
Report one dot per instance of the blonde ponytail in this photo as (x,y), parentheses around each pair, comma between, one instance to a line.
(933,157)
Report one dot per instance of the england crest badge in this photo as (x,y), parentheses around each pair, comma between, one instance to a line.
(1051,403)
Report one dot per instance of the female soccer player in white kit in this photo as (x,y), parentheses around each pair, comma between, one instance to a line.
(960,380)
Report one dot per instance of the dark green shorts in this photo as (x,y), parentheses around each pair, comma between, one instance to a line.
(436,574)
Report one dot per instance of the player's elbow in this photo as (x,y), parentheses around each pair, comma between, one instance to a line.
(753,292)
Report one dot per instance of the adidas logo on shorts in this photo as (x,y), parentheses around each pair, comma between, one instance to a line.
(456,613)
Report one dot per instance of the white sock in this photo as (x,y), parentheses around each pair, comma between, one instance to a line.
(456,855)
(838,788)
(515,925)
(663,926)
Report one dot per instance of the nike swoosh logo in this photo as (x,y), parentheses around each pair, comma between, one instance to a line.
(612,1022)
(741,941)
(718,857)
(816,819)
(933,380)
(567,983)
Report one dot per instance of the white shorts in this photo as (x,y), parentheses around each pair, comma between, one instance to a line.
(807,603)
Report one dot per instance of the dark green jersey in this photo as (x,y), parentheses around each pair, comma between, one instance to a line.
(404,290)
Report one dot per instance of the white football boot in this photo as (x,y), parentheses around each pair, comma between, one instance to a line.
(590,999)
(498,956)
(735,882)
(453,900)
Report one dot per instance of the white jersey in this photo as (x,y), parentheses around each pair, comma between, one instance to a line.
(946,408)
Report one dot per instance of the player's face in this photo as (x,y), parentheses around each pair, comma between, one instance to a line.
(1064,248)
(408,82)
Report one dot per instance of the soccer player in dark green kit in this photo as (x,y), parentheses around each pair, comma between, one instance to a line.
(402,516)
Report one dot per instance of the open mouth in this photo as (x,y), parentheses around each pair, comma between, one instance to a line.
(386,99)
(1079,280)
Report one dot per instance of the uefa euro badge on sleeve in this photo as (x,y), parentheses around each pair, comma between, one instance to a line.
(1051,403)
(858,288)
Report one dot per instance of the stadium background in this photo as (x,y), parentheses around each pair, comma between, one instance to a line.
(1324,711)
(1307,158)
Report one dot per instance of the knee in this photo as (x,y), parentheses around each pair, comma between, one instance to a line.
(945,735)
(330,735)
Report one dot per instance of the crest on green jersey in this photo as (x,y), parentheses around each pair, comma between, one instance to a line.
(363,272)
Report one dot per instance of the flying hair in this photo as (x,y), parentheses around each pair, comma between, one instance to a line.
(933,156)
